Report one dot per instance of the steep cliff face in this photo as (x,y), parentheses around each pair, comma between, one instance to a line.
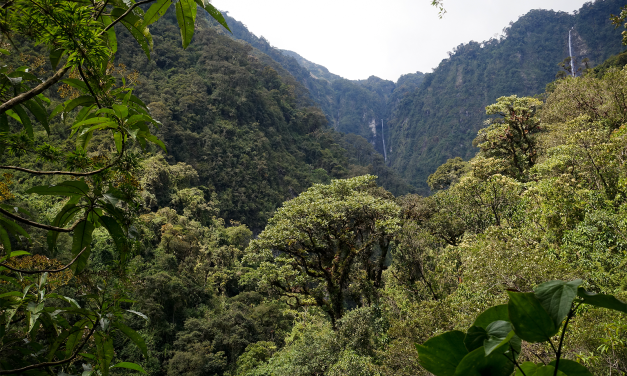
(440,119)
(429,118)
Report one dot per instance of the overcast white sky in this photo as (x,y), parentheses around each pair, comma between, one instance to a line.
(359,38)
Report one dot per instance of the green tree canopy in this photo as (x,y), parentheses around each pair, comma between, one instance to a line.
(328,244)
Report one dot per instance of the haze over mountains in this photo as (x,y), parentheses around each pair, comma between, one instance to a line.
(426,119)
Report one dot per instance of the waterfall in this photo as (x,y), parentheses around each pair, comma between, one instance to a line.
(385,154)
(570,51)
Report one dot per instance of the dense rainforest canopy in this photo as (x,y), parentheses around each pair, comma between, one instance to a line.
(174,203)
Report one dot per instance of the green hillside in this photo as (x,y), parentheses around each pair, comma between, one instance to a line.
(240,120)
(433,117)
(440,120)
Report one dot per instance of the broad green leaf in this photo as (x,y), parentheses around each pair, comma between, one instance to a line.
(111,37)
(113,40)
(530,320)
(540,370)
(59,341)
(111,198)
(155,140)
(25,76)
(602,300)
(39,112)
(213,12)
(135,118)
(113,211)
(55,57)
(186,17)
(76,83)
(57,110)
(64,216)
(440,355)
(572,368)
(108,125)
(156,11)
(85,112)
(33,313)
(137,313)
(135,26)
(529,368)
(66,188)
(10,293)
(117,138)
(557,298)
(133,366)
(105,111)
(9,313)
(25,120)
(116,232)
(81,239)
(492,314)
(74,337)
(4,238)
(499,333)
(475,337)
(66,298)
(83,139)
(19,253)
(133,336)
(131,99)
(90,121)
(43,98)
(120,110)
(139,37)
(83,100)
(478,364)
(104,351)
(13,227)
(12,114)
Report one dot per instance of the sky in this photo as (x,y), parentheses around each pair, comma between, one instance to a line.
(360,38)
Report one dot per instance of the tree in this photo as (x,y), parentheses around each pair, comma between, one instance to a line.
(447,174)
(50,312)
(512,136)
(327,246)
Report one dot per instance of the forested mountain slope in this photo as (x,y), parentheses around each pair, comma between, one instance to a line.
(433,122)
(440,120)
(241,120)
(350,106)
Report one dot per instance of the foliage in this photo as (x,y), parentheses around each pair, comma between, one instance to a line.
(439,120)
(493,344)
(512,136)
(447,174)
(326,240)
(44,330)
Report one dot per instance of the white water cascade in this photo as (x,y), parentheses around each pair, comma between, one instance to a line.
(570,51)
(385,154)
